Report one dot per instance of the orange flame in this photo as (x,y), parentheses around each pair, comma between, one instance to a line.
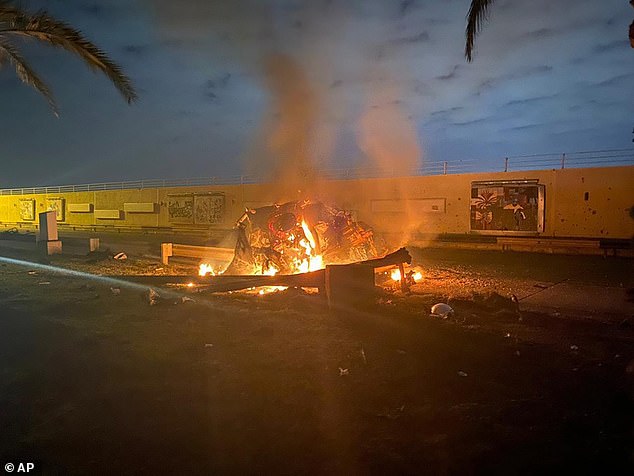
(204,269)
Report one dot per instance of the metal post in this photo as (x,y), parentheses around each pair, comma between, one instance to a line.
(444,168)
(506,164)
(563,160)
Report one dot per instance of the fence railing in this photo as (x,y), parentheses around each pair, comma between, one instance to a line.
(597,158)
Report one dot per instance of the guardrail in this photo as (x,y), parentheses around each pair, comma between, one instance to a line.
(596,158)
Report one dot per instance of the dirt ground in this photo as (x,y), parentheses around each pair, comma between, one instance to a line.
(96,381)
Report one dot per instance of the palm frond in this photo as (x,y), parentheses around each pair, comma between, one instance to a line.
(478,13)
(25,73)
(43,27)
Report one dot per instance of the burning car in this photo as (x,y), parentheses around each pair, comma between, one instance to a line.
(298,237)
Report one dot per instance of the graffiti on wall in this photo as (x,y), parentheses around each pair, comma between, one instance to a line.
(56,205)
(27,209)
(506,207)
(198,209)
(180,208)
(209,209)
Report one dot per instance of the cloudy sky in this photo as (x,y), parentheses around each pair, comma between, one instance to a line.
(233,87)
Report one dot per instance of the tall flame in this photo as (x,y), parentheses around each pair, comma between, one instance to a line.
(313,261)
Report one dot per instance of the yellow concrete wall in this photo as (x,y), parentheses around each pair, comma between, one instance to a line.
(606,213)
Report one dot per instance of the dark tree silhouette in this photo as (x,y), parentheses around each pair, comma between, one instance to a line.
(15,23)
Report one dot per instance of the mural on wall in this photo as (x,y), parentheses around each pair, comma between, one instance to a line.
(506,207)
(56,205)
(209,209)
(27,209)
(180,208)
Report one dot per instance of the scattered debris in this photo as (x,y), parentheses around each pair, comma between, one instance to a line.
(542,285)
(574,347)
(120,256)
(365,361)
(115,291)
(517,352)
(159,269)
(44,282)
(462,373)
(498,304)
(153,297)
(32,273)
(185,299)
(208,345)
(441,310)
(401,351)
(343,372)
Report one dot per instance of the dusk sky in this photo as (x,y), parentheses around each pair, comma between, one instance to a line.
(228,86)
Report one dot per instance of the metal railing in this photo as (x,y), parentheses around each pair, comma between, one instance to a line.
(597,158)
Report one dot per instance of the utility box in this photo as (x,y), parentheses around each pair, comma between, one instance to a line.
(48,227)
(47,237)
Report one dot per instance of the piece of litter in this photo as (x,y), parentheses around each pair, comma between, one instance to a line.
(574,347)
(209,345)
(187,299)
(400,351)
(441,310)
(153,297)
(44,282)
(365,361)
(462,374)
(517,352)
(508,334)
(343,372)
(115,291)
(158,269)
(120,256)
(32,273)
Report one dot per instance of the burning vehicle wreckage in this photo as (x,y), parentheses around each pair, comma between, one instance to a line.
(306,244)
(299,237)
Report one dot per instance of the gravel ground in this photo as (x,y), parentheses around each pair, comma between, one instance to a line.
(98,381)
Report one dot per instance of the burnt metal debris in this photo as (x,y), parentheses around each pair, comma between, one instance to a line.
(276,237)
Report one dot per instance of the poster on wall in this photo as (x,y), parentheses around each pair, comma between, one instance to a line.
(56,205)
(507,207)
(209,209)
(27,209)
(180,208)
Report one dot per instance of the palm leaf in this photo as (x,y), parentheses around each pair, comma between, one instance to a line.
(478,13)
(25,73)
(41,26)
